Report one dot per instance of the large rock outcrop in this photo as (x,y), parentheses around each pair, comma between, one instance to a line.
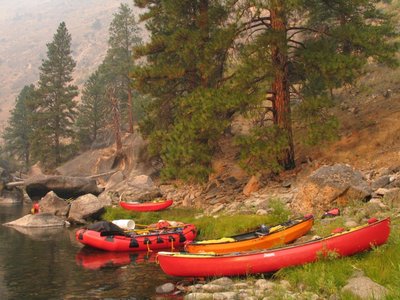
(331,186)
(135,188)
(64,186)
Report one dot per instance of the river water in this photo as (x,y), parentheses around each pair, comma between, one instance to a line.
(51,264)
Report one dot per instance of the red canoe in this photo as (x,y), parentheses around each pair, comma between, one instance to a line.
(344,244)
(169,238)
(146,206)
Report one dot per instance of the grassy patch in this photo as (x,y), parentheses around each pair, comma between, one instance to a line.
(329,275)
(209,227)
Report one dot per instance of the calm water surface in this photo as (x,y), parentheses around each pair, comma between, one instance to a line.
(50,264)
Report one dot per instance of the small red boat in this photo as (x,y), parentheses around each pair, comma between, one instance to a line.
(140,240)
(344,243)
(93,259)
(146,206)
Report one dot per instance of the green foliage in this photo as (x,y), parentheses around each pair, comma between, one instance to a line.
(18,133)
(201,119)
(118,64)
(185,63)
(312,113)
(262,149)
(55,109)
(93,110)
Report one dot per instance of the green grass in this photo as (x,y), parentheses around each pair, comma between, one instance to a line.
(208,226)
(329,275)
(325,277)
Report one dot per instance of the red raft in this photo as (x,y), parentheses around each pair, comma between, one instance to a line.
(344,243)
(146,206)
(142,240)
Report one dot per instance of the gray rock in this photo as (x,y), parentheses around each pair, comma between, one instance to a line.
(264,284)
(166,288)
(225,281)
(331,185)
(380,182)
(38,220)
(350,223)
(365,288)
(225,296)
(85,207)
(114,179)
(213,288)
(392,197)
(106,199)
(136,188)
(53,204)
(199,296)
(240,285)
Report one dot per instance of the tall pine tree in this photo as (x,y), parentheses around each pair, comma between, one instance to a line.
(124,35)
(55,109)
(186,59)
(18,134)
(308,48)
(93,111)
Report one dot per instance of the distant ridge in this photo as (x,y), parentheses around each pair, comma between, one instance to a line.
(26,26)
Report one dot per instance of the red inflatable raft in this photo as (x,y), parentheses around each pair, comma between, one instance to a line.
(150,239)
(344,244)
(146,206)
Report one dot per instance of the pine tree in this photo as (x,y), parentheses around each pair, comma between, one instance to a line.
(124,35)
(186,58)
(258,51)
(93,111)
(308,48)
(56,109)
(18,133)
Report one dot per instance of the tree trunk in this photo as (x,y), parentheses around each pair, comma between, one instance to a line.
(116,120)
(280,86)
(130,109)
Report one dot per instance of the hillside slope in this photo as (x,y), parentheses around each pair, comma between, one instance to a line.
(26,26)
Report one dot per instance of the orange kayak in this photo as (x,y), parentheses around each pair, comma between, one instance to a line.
(263,238)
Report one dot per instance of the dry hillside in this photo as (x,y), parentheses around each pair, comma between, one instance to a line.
(27,25)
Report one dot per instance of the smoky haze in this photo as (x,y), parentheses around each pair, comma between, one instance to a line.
(26,26)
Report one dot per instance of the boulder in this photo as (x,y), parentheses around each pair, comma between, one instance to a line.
(252,186)
(364,288)
(64,186)
(136,188)
(331,186)
(38,220)
(53,204)
(84,208)
(165,288)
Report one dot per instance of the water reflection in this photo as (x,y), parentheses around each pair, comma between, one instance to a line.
(41,234)
(93,259)
(43,265)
